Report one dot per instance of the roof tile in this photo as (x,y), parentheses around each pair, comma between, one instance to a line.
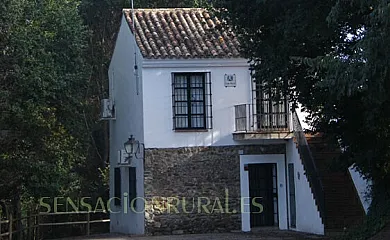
(181,33)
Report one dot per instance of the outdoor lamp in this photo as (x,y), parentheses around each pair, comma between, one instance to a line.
(133,147)
(130,145)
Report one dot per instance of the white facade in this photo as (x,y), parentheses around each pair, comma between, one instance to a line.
(143,106)
(307,214)
(129,121)
(278,159)
(158,109)
(363,187)
(158,114)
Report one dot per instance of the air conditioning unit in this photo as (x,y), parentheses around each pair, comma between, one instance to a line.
(107,109)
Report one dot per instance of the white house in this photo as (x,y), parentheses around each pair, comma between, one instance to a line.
(213,152)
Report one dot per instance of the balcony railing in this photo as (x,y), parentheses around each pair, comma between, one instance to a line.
(250,118)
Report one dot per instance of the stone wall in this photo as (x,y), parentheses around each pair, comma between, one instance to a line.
(195,189)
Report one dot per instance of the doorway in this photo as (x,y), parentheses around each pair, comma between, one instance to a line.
(263,190)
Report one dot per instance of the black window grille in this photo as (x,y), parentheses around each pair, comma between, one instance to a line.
(271,112)
(191,101)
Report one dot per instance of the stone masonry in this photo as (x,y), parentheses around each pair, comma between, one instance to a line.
(195,189)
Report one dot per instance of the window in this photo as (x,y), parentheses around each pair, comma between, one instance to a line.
(273,113)
(291,184)
(191,101)
(132,186)
(117,186)
(271,110)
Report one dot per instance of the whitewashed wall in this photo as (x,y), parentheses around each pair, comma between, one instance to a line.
(281,186)
(307,214)
(158,101)
(129,114)
(363,187)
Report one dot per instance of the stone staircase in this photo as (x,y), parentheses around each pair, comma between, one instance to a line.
(342,204)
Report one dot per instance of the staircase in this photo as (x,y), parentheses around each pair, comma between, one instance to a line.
(342,204)
(309,166)
(333,191)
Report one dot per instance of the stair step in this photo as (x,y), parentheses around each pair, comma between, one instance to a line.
(342,204)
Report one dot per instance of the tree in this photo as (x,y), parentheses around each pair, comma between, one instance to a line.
(332,57)
(54,62)
(41,97)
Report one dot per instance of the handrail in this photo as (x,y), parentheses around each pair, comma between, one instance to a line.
(250,118)
(309,165)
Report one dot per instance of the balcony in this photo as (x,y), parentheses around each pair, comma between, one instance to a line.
(252,122)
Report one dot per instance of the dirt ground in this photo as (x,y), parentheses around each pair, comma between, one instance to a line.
(264,235)
(382,235)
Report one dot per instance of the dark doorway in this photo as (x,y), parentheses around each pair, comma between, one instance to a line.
(263,187)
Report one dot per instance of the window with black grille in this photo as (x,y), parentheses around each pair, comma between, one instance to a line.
(271,108)
(191,100)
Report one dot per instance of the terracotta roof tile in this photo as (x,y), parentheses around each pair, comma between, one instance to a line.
(181,33)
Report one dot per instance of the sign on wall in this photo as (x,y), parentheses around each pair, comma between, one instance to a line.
(230,80)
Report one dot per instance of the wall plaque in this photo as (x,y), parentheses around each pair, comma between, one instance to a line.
(230,80)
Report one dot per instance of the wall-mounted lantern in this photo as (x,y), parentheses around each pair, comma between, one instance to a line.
(134,147)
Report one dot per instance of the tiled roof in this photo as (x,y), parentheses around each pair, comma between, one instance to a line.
(181,33)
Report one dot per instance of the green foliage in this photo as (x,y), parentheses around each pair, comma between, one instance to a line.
(54,61)
(332,57)
(42,97)
(105,175)
(377,219)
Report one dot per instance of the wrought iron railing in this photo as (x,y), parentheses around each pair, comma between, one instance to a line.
(309,165)
(249,118)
